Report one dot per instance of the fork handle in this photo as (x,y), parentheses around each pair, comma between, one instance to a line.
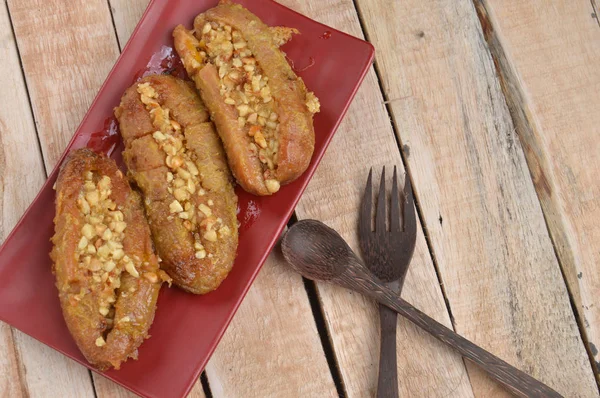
(356,277)
(517,381)
(387,382)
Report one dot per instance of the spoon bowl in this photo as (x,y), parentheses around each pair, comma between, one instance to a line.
(316,251)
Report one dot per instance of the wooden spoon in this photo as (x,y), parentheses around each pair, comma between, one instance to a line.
(318,252)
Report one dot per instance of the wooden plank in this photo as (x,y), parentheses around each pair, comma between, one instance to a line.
(107,389)
(11,383)
(48,373)
(27,368)
(20,159)
(551,81)
(14,196)
(126,15)
(67,48)
(478,202)
(425,366)
(64,65)
(272,346)
(366,139)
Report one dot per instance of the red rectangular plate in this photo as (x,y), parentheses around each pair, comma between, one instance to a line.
(187,328)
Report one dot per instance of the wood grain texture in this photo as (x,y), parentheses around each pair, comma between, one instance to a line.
(107,389)
(11,382)
(21,167)
(48,373)
(365,139)
(27,367)
(559,125)
(126,14)
(272,346)
(478,202)
(425,366)
(67,48)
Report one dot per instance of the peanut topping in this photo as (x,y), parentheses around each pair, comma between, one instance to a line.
(272,185)
(245,87)
(151,276)
(183,177)
(100,247)
(312,103)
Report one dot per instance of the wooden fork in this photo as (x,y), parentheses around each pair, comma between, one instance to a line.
(387,255)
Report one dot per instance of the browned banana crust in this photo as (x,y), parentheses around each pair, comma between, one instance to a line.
(176,158)
(262,110)
(106,271)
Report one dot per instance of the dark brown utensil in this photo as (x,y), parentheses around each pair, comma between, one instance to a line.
(320,253)
(387,254)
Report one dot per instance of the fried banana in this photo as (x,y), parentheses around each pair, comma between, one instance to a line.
(262,110)
(177,160)
(106,271)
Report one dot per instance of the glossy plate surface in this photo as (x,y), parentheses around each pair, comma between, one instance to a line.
(187,328)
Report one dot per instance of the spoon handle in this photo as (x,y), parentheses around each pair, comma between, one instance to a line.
(518,382)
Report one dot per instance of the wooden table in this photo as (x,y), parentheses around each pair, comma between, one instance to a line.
(494,108)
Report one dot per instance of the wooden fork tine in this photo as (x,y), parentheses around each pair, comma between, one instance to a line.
(395,209)
(366,207)
(410,218)
(380,214)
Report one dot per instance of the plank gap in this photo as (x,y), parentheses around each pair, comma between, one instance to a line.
(205,385)
(404,153)
(112,20)
(595,13)
(293,219)
(319,316)
(93,383)
(514,96)
(35,125)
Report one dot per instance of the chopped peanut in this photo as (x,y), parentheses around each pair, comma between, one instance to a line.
(205,209)
(312,103)
(210,236)
(175,207)
(200,254)
(259,138)
(183,177)
(244,85)
(100,247)
(83,242)
(130,268)
(272,185)
(224,231)
(151,276)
